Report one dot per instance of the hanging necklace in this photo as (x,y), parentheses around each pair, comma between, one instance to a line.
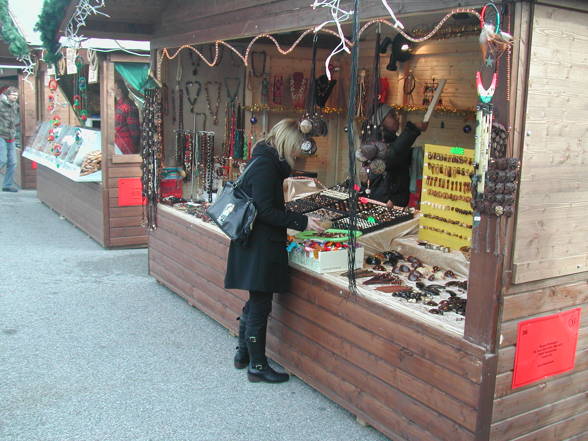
(263,56)
(278,88)
(192,101)
(298,86)
(232,95)
(486,95)
(409,86)
(213,112)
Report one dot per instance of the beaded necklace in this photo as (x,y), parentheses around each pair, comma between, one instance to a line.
(213,112)
(254,55)
(192,101)
(298,85)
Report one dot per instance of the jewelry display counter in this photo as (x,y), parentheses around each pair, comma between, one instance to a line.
(79,175)
(400,369)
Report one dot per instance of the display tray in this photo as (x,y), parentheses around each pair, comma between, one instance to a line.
(373,220)
(414,300)
(66,169)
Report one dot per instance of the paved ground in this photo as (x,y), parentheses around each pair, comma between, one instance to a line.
(92,349)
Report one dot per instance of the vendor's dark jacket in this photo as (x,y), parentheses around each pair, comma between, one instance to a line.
(262,264)
(394,185)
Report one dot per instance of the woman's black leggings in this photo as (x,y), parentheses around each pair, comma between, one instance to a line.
(258,308)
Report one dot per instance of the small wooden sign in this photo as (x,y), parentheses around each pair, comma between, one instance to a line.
(546,346)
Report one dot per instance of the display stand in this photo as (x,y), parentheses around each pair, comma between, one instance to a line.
(90,201)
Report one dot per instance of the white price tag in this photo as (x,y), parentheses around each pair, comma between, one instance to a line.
(93,75)
(70,60)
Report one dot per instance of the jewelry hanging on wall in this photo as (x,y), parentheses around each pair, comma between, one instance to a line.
(408,87)
(265,82)
(278,90)
(80,90)
(429,90)
(361,93)
(232,94)
(257,72)
(203,116)
(151,154)
(188,154)
(197,87)
(213,111)
(165,100)
(298,86)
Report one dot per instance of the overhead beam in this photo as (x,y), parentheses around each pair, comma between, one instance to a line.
(193,22)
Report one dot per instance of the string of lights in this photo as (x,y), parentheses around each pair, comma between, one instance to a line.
(170,55)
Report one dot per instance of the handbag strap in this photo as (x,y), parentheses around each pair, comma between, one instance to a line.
(240,179)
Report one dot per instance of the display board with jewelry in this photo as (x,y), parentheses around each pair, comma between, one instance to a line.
(447,216)
(203,119)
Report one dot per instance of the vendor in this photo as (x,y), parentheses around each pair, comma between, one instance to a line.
(126,121)
(389,181)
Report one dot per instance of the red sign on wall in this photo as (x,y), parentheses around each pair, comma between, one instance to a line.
(33,165)
(546,346)
(130,192)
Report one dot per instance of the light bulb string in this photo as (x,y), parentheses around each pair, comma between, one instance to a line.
(169,54)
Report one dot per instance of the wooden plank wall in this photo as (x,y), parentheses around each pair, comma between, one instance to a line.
(125,224)
(555,408)
(404,377)
(551,232)
(189,21)
(26,176)
(79,202)
(551,409)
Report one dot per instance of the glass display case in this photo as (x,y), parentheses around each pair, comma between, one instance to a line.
(74,152)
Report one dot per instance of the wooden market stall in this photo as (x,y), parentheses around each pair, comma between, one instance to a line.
(86,195)
(11,74)
(410,375)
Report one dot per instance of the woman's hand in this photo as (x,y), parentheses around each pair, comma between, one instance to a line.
(315,224)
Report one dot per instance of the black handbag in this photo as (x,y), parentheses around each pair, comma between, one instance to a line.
(233,210)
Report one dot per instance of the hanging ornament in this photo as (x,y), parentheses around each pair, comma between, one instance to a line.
(486,95)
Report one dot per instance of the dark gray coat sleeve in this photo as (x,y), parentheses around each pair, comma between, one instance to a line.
(263,192)
(399,150)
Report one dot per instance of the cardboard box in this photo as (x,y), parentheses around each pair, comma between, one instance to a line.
(328,261)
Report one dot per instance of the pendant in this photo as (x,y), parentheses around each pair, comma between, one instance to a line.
(486,95)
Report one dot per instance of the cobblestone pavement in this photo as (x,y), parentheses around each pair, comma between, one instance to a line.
(93,349)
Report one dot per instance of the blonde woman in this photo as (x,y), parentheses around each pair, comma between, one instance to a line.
(261,266)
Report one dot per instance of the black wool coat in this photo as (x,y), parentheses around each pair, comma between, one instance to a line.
(262,264)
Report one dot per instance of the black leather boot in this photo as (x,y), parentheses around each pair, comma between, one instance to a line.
(259,369)
(241,359)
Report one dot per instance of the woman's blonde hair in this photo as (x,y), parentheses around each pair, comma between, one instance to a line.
(287,139)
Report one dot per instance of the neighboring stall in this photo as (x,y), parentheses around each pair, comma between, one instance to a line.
(80,168)
(14,49)
(410,373)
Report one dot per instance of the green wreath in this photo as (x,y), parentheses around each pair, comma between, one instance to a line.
(17,44)
(48,25)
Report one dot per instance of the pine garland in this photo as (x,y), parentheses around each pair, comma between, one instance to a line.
(17,44)
(48,25)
